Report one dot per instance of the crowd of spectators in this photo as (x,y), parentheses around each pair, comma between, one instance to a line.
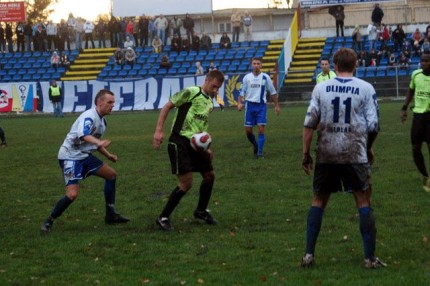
(142,30)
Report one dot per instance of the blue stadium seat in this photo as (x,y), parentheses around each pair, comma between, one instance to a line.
(182,70)
(26,77)
(36,76)
(126,67)
(162,72)
(186,65)
(112,73)
(102,74)
(122,73)
(47,76)
(142,73)
(235,45)
(152,72)
(27,66)
(6,78)
(16,77)
(192,70)
(22,71)
(172,71)
(56,76)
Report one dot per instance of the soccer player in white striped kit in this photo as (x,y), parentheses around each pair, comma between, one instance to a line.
(344,111)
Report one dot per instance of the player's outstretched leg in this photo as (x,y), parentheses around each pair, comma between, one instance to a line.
(201,211)
(59,208)
(251,138)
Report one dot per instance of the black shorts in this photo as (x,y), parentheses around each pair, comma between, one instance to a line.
(420,130)
(329,178)
(184,159)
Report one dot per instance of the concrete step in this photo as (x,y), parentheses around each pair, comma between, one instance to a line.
(63,78)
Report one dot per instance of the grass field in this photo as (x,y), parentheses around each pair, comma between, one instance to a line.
(261,206)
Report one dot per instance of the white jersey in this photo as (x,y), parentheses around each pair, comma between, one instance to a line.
(88,123)
(345,110)
(254,88)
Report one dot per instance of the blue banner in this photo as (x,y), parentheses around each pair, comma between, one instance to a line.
(319,3)
(146,94)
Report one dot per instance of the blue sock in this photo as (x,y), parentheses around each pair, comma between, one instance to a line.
(261,140)
(368,231)
(60,207)
(109,191)
(315,217)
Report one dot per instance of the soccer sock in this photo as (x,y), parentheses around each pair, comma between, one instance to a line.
(109,191)
(174,199)
(61,206)
(315,217)
(368,231)
(2,137)
(261,140)
(205,195)
(419,161)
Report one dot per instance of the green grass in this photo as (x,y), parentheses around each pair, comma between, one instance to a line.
(261,205)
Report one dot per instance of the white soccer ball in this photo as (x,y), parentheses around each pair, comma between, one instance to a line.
(201,141)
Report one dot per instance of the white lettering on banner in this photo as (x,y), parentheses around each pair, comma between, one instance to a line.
(146,94)
(319,3)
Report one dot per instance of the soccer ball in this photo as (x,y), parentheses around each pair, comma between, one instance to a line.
(201,141)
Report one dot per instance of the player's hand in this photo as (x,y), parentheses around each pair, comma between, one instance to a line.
(307,163)
(104,143)
(277,110)
(157,140)
(239,107)
(403,115)
(370,156)
(112,158)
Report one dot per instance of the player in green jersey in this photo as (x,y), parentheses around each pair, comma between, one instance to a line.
(193,106)
(326,73)
(419,91)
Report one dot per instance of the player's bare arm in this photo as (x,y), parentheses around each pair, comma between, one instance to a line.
(159,134)
(100,143)
(404,110)
(277,108)
(307,163)
(239,103)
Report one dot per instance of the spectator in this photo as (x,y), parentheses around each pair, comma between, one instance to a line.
(64,61)
(161,24)
(143,30)
(165,62)
(9,35)
(19,31)
(88,29)
(362,59)
(372,58)
(377,15)
(185,44)
(157,45)
(39,38)
(417,40)
(130,56)
(236,20)
(101,30)
(2,40)
(176,44)
(425,47)
(151,28)
(64,35)
(195,42)
(205,42)
(119,57)
(79,30)
(129,29)
(247,26)
(188,24)
(211,67)
(28,36)
(403,60)
(407,48)
(392,60)
(384,33)
(175,25)
(114,30)
(128,43)
(356,39)
(225,42)
(372,35)
(398,37)
(384,52)
(338,13)
(51,33)
(55,60)
(199,69)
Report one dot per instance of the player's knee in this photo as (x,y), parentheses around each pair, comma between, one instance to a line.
(72,194)
(209,177)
